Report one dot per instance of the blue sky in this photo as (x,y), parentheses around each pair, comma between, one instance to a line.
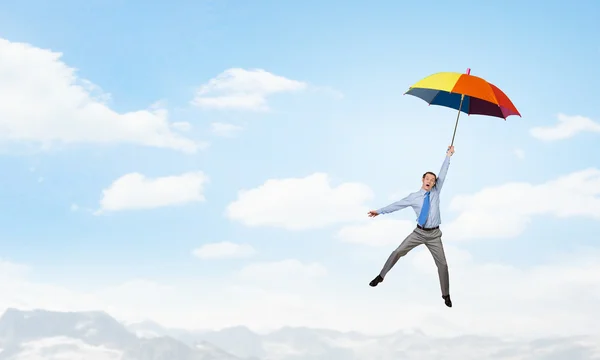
(542,55)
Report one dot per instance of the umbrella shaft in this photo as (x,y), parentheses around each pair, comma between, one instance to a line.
(457,116)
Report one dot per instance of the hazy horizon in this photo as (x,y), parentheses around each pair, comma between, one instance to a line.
(27,335)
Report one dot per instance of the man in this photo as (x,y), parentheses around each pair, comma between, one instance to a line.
(426,204)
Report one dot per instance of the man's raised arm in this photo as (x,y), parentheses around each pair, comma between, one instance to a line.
(444,170)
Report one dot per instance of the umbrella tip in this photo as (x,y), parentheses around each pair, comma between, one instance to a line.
(468,71)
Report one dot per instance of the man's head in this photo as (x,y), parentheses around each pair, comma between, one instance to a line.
(428,180)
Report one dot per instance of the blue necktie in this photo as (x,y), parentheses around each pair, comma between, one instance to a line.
(424,210)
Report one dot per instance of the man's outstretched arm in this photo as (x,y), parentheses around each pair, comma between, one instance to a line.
(444,170)
(398,205)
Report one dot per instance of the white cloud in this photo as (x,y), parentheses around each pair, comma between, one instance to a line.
(283,269)
(9,269)
(504,211)
(280,277)
(44,102)
(519,153)
(243,89)
(224,129)
(567,127)
(377,232)
(136,191)
(223,250)
(511,288)
(182,126)
(300,203)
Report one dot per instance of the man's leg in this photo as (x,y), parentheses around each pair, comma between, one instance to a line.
(435,246)
(409,243)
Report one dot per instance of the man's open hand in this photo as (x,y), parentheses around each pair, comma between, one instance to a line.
(373,213)
(450,151)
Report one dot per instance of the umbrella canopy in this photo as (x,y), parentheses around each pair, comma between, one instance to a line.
(464,92)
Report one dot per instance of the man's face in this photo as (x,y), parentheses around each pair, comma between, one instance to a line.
(428,182)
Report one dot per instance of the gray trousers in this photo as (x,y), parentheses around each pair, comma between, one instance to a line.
(433,240)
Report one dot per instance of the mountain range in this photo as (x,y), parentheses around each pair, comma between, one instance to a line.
(50,335)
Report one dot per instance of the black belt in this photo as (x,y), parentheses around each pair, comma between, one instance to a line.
(427,229)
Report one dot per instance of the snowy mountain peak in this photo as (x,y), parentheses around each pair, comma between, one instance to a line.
(86,335)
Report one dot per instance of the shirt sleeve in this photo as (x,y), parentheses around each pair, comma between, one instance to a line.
(442,175)
(398,205)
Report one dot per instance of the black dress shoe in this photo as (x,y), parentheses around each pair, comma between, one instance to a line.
(376,281)
(447,300)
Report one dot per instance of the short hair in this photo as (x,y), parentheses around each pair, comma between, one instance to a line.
(430,173)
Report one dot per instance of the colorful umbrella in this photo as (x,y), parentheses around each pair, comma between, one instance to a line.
(465,93)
